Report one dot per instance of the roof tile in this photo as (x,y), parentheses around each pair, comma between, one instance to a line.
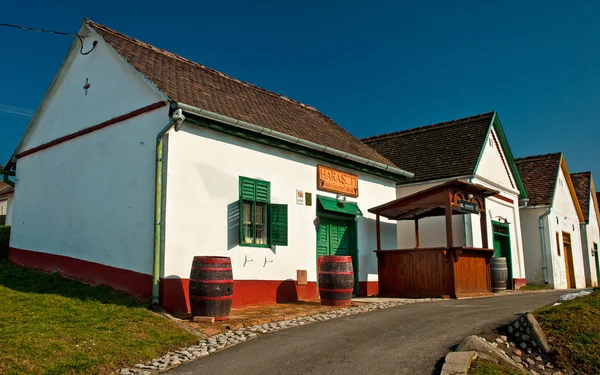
(539,176)
(445,150)
(194,84)
(582,183)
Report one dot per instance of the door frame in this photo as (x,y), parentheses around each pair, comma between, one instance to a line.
(505,248)
(352,221)
(569,264)
(597,261)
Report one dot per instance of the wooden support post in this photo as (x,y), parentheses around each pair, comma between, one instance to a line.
(483,222)
(417,234)
(378,229)
(449,233)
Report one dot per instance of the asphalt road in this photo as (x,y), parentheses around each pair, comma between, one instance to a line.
(410,339)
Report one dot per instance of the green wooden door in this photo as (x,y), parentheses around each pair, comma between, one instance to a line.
(334,237)
(497,247)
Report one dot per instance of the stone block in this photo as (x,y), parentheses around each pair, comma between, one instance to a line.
(458,363)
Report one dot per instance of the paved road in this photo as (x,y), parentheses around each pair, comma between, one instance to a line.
(410,339)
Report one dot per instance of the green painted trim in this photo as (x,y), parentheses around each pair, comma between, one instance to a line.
(333,205)
(507,240)
(503,225)
(510,159)
(244,244)
(214,125)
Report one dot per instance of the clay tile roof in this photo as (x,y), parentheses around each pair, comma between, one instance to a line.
(185,81)
(582,182)
(445,150)
(539,176)
(6,189)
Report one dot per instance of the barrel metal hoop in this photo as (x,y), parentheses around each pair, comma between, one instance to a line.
(336,290)
(212,281)
(211,269)
(203,298)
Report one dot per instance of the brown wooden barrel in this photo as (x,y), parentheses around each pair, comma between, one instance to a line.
(211,287)
(336,280)
(499,274)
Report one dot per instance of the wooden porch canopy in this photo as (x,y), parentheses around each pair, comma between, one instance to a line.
(455,271)
(456,197)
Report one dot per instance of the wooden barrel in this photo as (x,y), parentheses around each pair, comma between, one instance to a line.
(336,280)
(499,274)
(211,287)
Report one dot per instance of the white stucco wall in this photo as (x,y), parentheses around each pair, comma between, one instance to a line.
(564,219)
(91,197)
(532,247)
(3,206)
(9,208)
(592,235)
(203,190)
(492,165)
(116,89)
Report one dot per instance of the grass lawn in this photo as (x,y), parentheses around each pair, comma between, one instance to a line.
(52,325)
(483,367)
(573,331)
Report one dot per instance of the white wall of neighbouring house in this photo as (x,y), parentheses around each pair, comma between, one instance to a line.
(532,245)
(91,197)
(202,195)
(3,206)
(564,219)
(592,237)
(9,208)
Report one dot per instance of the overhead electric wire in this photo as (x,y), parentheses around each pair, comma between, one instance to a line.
(16,111)
(51,32)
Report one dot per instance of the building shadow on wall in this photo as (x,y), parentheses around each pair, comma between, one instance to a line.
(286,291)
(173,294)
(233,224)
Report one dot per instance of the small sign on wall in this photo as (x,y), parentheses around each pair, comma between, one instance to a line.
(300,197)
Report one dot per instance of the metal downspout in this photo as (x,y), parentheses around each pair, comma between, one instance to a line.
(543,242)
(176,121)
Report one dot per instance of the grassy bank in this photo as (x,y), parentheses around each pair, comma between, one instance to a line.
(483,367)
(573,331)
(52,325)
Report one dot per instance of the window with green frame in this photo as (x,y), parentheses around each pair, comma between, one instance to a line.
(262,224)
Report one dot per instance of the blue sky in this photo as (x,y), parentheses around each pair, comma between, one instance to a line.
(373,67)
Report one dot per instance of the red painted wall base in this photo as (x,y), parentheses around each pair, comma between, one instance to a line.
(519,283)
(173,292)
(175,296)
(134,283)
(368,288)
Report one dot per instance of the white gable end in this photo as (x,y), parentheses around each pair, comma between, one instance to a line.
(115,89)
(563,203)
(493,165)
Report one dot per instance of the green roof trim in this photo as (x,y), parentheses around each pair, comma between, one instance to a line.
(510,159)
(334,205)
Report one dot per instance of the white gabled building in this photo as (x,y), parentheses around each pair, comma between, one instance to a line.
(154,159)
(474,149)
(551,223)
(590,227)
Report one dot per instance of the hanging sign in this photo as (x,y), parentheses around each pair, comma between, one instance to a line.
(300,197)
(468,207)
(335,181)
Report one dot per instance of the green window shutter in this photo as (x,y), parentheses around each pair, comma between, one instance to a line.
(263,193)
(279,224)
(247,189)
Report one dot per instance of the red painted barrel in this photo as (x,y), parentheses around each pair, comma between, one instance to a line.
(336,280)
(211,287)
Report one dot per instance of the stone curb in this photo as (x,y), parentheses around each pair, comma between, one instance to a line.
(231,338)
(458,363)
